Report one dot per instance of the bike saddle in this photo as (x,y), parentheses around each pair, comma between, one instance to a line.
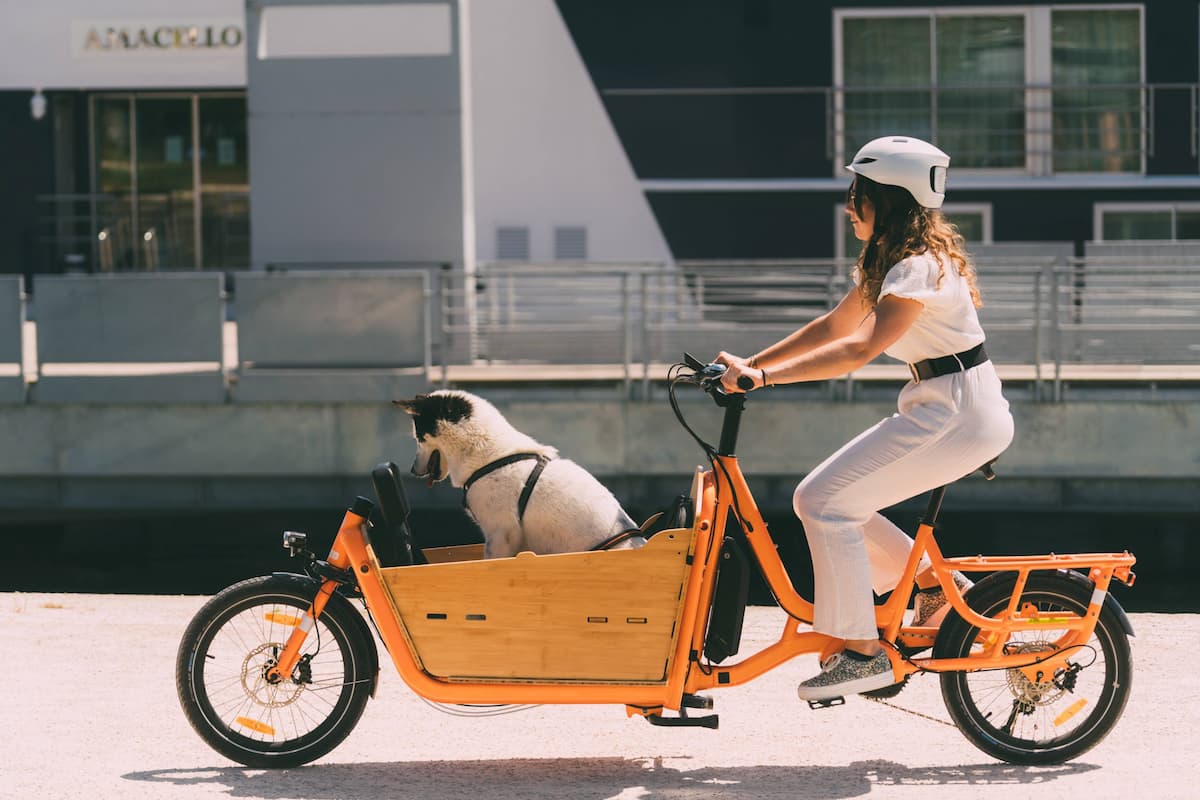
(986,469)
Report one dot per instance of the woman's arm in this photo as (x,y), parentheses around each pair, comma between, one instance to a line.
(829,327)
(893,316)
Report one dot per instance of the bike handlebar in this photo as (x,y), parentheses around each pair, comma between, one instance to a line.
(708,376)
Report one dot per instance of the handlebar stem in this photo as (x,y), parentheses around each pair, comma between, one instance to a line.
(734,405)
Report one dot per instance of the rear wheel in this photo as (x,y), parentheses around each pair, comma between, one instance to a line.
(1044,715)
(224,657)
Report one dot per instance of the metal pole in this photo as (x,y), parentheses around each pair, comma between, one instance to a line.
(1055,315)
(446,323)
(1037,335)
(427,331)
(645,334)
(627,338)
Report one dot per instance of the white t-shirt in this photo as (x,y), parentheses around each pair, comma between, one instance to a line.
(948,324)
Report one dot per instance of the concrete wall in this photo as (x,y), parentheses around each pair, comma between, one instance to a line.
(355,158)
(1075,456)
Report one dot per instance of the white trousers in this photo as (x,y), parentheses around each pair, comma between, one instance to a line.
(946,428)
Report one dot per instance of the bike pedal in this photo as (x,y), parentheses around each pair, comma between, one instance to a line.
(827,703)
(710,721)
(696,701)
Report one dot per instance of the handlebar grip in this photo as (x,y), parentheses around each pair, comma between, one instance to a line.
(745,383)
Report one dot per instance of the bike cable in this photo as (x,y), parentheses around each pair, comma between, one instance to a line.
(1050,655)
(455,710)
(884,701)
(474,711)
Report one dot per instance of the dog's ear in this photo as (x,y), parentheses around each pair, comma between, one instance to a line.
(450,407)
(412,407)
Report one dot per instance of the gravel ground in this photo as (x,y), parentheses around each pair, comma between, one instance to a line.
(89,711)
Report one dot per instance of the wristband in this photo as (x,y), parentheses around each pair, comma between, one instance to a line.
(765,382)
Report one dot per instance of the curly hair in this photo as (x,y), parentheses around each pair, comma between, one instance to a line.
(902,229)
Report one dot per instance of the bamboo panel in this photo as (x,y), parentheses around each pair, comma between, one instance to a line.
(600,617)
(454,552)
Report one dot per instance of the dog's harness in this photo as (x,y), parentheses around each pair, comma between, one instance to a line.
(530,482)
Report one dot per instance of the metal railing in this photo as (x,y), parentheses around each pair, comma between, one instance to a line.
(1033,129)
(1051,320)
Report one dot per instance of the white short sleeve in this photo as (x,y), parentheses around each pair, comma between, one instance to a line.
(915,278)
(947,323)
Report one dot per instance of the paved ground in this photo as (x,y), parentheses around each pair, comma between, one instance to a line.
(88,710)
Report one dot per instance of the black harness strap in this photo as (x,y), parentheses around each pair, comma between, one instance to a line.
(613,541)
(530,482)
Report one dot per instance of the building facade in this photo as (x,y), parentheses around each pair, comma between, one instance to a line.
(187,134)
(231,135)
(1065,121)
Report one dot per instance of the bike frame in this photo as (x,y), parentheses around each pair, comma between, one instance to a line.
(719,493)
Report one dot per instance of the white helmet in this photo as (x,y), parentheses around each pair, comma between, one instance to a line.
(906,162)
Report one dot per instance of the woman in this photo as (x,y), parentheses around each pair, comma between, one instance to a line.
(914,298)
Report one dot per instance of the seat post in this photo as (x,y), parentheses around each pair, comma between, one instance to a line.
(935,505)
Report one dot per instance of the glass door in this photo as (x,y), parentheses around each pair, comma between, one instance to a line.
(170,181)
(112,201)
(224,182)
(165,182)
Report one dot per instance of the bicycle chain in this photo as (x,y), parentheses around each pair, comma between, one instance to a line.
(883,702)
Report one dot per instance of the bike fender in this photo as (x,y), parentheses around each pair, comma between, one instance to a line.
(1112,605)
(363,627)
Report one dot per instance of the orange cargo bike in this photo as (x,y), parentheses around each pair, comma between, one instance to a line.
(275,671)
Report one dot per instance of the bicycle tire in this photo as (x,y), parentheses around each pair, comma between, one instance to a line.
(1053,729)
(219,673)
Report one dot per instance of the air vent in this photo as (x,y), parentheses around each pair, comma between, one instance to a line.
(512,243)
(570,243)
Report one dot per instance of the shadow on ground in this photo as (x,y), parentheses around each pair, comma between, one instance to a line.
(592,779)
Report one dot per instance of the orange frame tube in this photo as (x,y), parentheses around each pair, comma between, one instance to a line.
(725,491)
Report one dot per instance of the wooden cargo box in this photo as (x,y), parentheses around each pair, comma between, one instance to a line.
(594,617)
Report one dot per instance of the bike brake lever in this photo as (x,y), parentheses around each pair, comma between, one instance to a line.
(710,374)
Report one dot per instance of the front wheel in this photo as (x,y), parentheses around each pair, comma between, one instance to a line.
(230,645)
(1031,716)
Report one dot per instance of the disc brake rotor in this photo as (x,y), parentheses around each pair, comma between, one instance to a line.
(254,682)
(1031,694)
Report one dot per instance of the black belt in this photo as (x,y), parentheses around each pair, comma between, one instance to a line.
(948,365)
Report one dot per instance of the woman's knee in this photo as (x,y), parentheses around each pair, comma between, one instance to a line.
(808,500)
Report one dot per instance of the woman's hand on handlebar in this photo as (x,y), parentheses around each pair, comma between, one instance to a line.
(739,375)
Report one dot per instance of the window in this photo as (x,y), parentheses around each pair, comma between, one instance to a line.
(1097,122)
(1163,221)
(973,220)
(1038,89)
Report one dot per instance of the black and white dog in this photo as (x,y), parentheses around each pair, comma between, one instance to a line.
(519,492)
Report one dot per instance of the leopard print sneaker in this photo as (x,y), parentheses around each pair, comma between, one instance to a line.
(930,606)
(843,675)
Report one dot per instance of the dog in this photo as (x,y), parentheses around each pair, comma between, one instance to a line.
(518,491)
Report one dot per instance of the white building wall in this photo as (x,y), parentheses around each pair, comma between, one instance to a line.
(545,152)
(85,44)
